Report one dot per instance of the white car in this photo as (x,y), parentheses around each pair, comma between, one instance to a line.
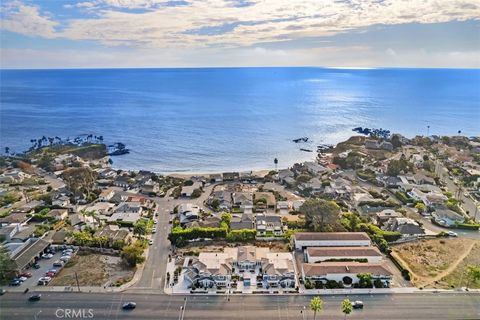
(45,279)
(22,279)
(452,234)
(150,242)
(65,258)
(47,256)
(154,230)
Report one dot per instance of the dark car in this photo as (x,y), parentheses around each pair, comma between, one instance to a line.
(15,283)
(129,306)
(36,266)
(35,297)
(2,292)
(357,305)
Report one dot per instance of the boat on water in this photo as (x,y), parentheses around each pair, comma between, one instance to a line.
(117,149)
(306,150)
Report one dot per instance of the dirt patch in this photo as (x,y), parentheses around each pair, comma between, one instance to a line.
(430,260)
(458,278)
(93,270)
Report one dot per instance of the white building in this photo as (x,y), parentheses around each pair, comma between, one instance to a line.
(317,254)
(347,272)
(331,239)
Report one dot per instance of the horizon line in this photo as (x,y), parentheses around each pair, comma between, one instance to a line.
(238,67)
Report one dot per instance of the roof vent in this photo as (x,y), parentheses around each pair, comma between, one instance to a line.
(346,267)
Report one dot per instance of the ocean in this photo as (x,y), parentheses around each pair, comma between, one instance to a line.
(221,119)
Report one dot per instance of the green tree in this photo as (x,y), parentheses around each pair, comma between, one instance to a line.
(133,254)
(320,215)
(395,167)
(364,280)
(473,273)
(196,193)
(347,307)
(316,305)
(140,228)
(80,179)
(420,207)
(7,266)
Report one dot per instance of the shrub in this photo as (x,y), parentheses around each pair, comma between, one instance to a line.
(242,235)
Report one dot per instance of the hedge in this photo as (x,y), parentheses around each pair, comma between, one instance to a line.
(196,233)
(241,235)
(466,226)
(405,272)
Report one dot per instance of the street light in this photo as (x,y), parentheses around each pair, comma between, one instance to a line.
(36,315)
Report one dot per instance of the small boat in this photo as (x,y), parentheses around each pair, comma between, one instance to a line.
(306,150)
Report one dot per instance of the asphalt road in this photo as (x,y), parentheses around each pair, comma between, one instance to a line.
(153,276)
(435,306)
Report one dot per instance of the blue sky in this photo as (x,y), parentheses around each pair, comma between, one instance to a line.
(188,33)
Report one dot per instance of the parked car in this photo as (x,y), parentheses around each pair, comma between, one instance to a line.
(452,234)
(26,274)
(15,283)
(65,258)
(357,304)
(22,279)
(53,270)
(58,263)
(150,242)
(2,292)
(47,256)
(50,274)
(43,281)
(154,230)
(67,251)
(36,266)
(19,279)
(129,305)
(35,297)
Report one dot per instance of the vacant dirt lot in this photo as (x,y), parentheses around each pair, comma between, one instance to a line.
(459,277)
(431,260)
(93,270)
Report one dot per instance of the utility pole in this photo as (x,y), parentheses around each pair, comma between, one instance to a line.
(78,284)
(428,131)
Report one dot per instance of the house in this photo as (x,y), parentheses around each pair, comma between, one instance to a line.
(245,221)
(79,221)
(283,205)
(314,168)
(114,234)
(130,207)
(208,222)
(269,225)
(420,178)
(61,201)
(188,212)
(122,181)
(28,252)
(9,231)
(283,174)
(447,217)
(58,214)
(264,200)
(406,226)
(17,217)
(431,198)
(231,176)
(188,190)
(127,212)
(321,254)
(102,208)
(272,187)
(346,272)
(379,218)
(257,267)
(217,177)
(339,189)
(224,198)
(296,204)
(150,187)
(13,176)
(243,200)
(331,239)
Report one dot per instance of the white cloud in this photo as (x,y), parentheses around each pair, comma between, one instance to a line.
(164,26)
(27,20)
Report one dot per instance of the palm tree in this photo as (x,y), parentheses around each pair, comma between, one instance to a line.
(316,305)
(347,307)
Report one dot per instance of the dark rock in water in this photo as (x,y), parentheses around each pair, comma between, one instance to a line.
(303,139)
(306,150)
(117,149)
